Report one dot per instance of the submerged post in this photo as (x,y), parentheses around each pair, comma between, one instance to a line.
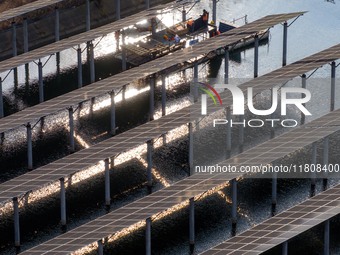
(25,31)
(163,96)
(234,205)
(226,65)
(153,27)
(148,237)
(195,88)
(100,247)
(241,133)
(113,113)
(124,61)
(274,193)
(325,160)
(57,24)
(71,124)
(313,162)
(191,149)
(152,97)
(14,39)
(184,14)
(333,86)
(41,84)
(285,43)
(88,15)
(29,146)
(304,85)
(16,222)
(228,133)
(256,56)
(107,184)
(62,203)
(1,101)
(326,238)
(92,70)
(117,4)
(80,68)
(192,224)
(149,167)
(214,17)
(285,248)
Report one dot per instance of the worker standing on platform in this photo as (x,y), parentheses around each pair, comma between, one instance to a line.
(177,39)
(205,17)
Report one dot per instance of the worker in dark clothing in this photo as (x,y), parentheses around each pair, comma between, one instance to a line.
(205,17)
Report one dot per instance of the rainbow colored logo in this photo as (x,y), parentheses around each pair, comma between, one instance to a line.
(213,94)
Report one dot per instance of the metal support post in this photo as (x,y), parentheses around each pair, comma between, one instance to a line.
(313,162)
(80,68)
(62,203)
(100,247)
(214,18)
(29,146)
(149,167)
(14,39)
(113,113)
(163,95)
(1,101)
(25,31)
(241,133)
(326,238)
(234,204)
(228,133)
(325,160)
(57,24)
(285,248)
(184,14)
(304,85)
(226,65)
(285,44)
(192,224)
(124,61)
(333,86)
(256,56)
(152,97)
(16,222)
(107,183)
(148,237)
(274,193)
(92,70)
(41,84)
(195,81)
(153,27)
(191,148)
(88,15)
(117,9)
(71,124)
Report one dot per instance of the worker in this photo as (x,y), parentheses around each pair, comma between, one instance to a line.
(177,39)
(205,17)
(190,25)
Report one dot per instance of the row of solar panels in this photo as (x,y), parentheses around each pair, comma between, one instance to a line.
(322,207)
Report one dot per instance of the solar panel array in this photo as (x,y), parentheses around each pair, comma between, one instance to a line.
(283,226)
(193,186)
(25,9)
(122,142)
(90,35)
(134,74)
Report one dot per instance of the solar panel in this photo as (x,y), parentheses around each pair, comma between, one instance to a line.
(260,238)
(283,226)
(129,76)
